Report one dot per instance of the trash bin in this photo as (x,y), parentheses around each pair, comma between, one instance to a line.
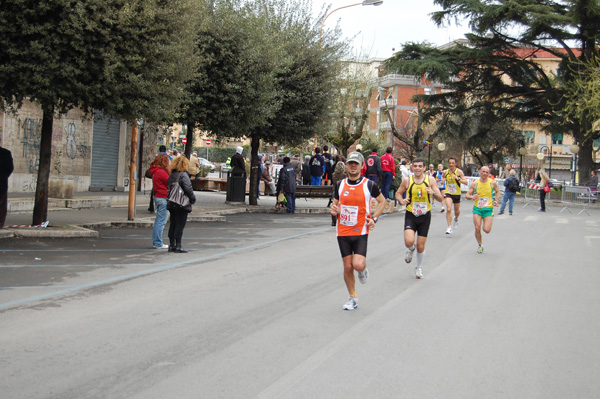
(236,188)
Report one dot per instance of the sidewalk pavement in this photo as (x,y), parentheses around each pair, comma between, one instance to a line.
(87,211)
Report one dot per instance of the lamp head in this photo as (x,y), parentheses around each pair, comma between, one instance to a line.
(574,148)
(523,151)
(441,146)
(540,156)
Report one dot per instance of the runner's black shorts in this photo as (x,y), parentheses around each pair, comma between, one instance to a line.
(455,198)
(419,224)
(353,245)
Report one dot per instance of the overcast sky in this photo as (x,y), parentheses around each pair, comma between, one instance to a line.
(380,29)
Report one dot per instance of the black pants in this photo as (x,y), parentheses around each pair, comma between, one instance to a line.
(3,208)
(176,226)
(151,206)
(542,200)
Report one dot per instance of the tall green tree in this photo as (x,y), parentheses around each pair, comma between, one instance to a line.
(123,57)
(262,75)
(498,65)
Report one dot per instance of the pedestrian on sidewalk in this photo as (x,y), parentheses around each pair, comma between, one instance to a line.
(352,206)
(159,169)
(267,179)
(544,185)
(6,169)
(162,150)
(179,215)
(388,168)
(286,184)
(511,186)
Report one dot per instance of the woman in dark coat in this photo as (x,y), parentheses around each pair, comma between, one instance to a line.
(179,172)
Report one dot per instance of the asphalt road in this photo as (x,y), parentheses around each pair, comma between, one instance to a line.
(255,310)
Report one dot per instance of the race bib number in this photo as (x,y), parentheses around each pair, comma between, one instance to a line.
(483,202)
(349,215)
(419,208)
(452,189)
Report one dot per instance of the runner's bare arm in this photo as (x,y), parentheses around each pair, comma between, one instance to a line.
(497,193)
(403,187)
(378,211)
(469,194)
(434,189)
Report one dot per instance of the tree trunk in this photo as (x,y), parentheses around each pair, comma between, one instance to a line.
(40,208)
(254,171)
(190,139)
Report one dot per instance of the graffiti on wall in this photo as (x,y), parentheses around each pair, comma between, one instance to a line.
(29,184)
(32,133)
(73,148)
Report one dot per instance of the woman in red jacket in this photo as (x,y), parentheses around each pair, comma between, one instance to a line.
(159,169)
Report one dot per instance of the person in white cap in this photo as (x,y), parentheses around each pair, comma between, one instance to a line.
(238,165)
(352,206)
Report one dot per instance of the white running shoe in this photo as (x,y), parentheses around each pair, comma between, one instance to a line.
(455,224)
(164,246)
(480,249)
(351,304)
(409,254)
(363,276)
(449,230)
(418,273)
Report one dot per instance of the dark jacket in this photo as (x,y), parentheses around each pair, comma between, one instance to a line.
(374,166)
(6,168)
(317,165)
(287,179)
(507,183)
(238,165)
(186,185)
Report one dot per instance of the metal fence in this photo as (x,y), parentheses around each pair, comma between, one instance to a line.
(580,196)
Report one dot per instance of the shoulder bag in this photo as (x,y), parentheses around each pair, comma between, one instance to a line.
(176,197)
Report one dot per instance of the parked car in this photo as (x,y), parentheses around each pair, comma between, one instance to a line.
(206,162)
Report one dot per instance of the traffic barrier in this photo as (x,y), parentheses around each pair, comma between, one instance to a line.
(530,193)
(578,195)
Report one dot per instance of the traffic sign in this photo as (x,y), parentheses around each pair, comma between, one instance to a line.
(207,141)
(184,140)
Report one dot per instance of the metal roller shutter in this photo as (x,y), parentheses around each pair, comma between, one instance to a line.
(105,153)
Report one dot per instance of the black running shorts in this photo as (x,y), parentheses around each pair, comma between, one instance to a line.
(353,245)
(455,198)
(419,224)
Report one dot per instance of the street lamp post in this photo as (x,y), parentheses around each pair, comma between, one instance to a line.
(575,150)
(362,3)
(540,156)
(522,151)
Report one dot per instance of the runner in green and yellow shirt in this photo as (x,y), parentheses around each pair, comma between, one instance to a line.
(484,192)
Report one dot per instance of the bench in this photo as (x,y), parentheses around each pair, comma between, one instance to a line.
(209,183)
(314,191)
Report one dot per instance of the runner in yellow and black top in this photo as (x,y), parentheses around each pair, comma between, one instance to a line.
(419,188)
(484,191)
(453,178)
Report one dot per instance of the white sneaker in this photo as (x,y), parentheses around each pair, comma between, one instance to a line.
(418,273)
(351,304)
(480,249)
(363,276)
(449,230)
(409,254)
(164,246)
(455,224)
